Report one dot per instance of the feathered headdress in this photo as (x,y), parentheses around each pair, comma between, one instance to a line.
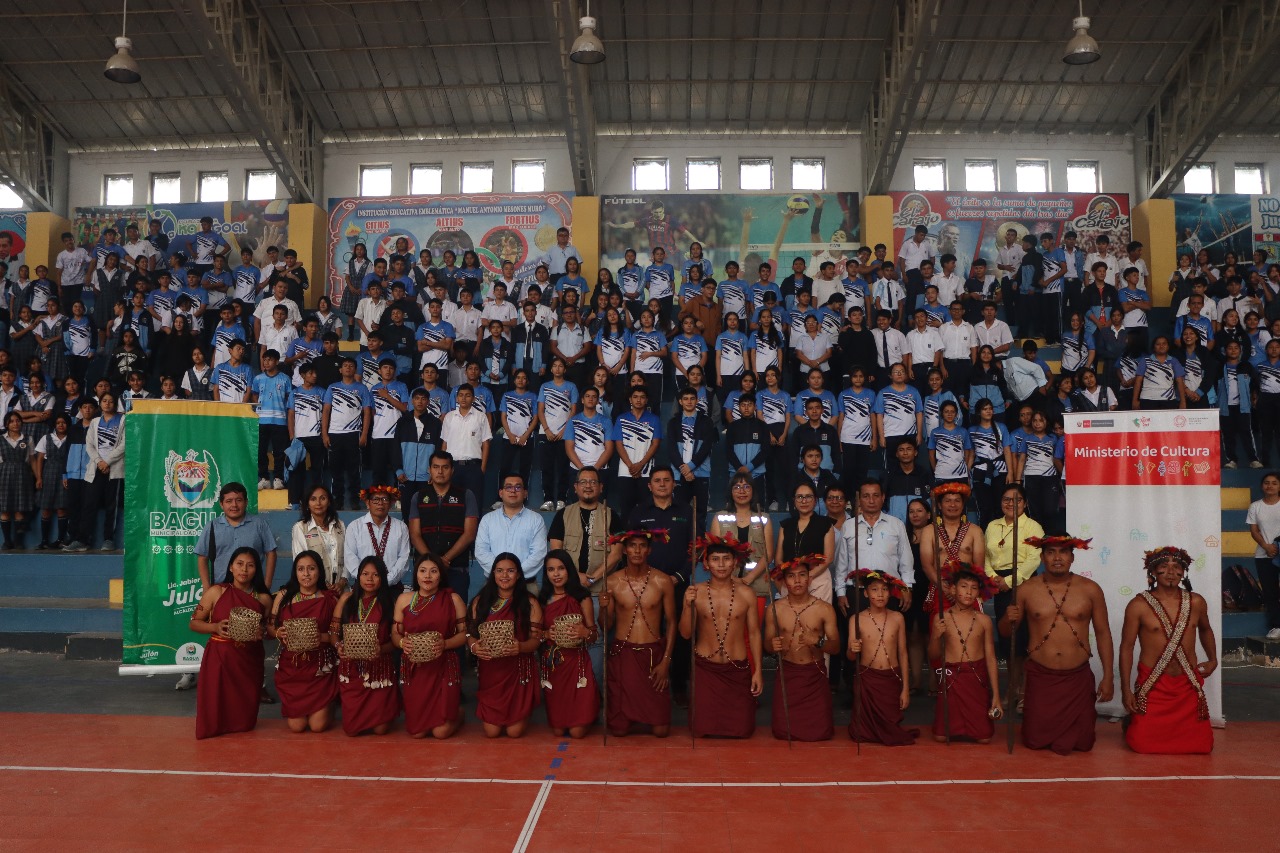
(807,562)
(390,491)
(865,577)
(711,542)
(987,587)
(650,536)
(1071,542)
(960,489)
(1151,560)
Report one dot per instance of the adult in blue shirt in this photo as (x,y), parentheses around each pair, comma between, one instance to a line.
(231,530)
(512,528)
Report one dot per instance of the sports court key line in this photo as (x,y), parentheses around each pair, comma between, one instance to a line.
(547,784)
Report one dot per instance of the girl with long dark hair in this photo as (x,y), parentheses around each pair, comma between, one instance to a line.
(432,689)
(367,687)
(570,691)
(508,671)
(306,679)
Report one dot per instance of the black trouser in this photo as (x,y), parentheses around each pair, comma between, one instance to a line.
(1051,316)
(653,384)
(775,467)
(986,494)
(78,528)
(304,476)
(408,492)
(920,378)
(460,579)
(101,494)
(1237,430)
(1029,313)
(699,490)
(857,460)
(382,461)
(555,469)
(272,438)
(467,474)
(517,459)
(78,368)
(1043,493)
(344,463)
(1002,601)
(1268,423)
(628,491)
(958,371)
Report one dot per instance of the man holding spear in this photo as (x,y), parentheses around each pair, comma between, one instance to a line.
(801,629)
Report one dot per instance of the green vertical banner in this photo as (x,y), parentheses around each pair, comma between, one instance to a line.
(179,454)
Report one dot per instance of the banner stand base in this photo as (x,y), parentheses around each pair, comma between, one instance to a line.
(172,669)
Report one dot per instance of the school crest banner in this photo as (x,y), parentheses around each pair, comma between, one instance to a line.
(1138,481)
(171,489)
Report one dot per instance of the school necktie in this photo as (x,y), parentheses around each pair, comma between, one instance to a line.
(884,350)
(528,342)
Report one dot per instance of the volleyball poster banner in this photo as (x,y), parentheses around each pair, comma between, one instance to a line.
(1143,480)
(1226,223)
(519,227)
(170,494)
(973,225)
(748,228)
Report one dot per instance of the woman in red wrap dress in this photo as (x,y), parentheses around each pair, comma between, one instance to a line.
(230,671)
(508,690)
(432,691)
(568,684)
(307,681)
(368,690)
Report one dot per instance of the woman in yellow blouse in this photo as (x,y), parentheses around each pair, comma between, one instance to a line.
(1000,545)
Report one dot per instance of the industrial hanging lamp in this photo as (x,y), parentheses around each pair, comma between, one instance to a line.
(587,48)
(1083,48)
(122,67)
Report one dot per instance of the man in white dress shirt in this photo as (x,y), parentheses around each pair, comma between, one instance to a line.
(377,533)
(882,545)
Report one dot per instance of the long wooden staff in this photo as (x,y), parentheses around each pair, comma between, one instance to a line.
(942,601)
(1013,635)
(604,654)
(777,627)
(857,633)
(693,622)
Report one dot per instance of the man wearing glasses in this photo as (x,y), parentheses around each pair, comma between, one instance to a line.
(514,528)
(377,533)
(882,545)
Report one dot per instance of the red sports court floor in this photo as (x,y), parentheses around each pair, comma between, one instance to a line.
(72,782)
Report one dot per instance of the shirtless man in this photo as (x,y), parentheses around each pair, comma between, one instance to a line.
(638,603)
(1058,709)
(1169,712)
(970,655)
(726,683)
(878,646)
(953,537)
(803,629)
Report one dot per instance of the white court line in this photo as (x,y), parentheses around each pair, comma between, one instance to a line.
(548,783)
(531,822)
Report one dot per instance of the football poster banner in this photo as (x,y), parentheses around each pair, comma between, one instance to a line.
(13,243)
(1143,480)
(252,225)
(973,225)
(171,493)
(749,229)
(519,227)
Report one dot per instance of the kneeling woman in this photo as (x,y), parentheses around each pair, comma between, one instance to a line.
(569,685)
(234,662)
(366,677)
(504,626)
(306,672)
(430,623)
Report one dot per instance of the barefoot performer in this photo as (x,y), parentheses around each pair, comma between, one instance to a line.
(801,629)
(430,626)
(727,631)
(879,660)
(306,674)
(1060,607)
(367,685)
(964,639)
(638,604)
(1169,714)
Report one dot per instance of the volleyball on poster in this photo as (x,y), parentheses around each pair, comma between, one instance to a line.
(973,225)
(170,495)
(518,227)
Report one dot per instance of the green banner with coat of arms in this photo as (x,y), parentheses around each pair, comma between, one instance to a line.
(178,455)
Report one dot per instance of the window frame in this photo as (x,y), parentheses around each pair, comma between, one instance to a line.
(1097,174)
(475,165)
(415,168)
(689,162)
(1260,168)
(1043,165)
(155,176)
(820,162)
(995,174)
(515,164)
(665,162)
(1213,178)
(928,162)
(275,183)
(213,173)
(757,161)
(372,167)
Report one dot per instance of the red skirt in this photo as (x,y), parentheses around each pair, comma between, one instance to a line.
(306,681)
(508,690)
(808,702)
(1172,724)
(369,694)
(968,702)
(632,699)
(877,716)
(722,702)
(230,682)
(1058,710)
(569,688)
(431,692)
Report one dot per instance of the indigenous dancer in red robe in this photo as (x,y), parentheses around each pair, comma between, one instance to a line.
(964,637)
(1060,607)
(1168,711)
(726,681)
(569,686)
(803,629)
(307,681)
(508,690)
(638,604)
(878,647)
(367,688)
(231,670)
(431,690)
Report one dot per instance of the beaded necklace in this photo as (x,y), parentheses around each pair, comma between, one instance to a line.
(638,610)
(1057,614)
(964,641)
(879,630)
(796,628)
(498,605)
(361,612)
(952,546)
(413,602)
(715,623)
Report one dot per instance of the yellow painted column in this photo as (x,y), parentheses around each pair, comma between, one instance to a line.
(586,235)
(877,221)
(44,240)
(1154,227)
(308,224)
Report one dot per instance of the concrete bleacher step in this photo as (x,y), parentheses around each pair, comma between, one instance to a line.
(54,574)
(1236,497)
(94,646)
(45,615)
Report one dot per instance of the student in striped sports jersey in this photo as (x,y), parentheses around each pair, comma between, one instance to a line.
(233,379)
(857,434)
(631,281)
(775,406)
(586,438)
(1199,368)
(649,355)
(899,412)
(435,338)
(557,401)
(992,459)
(766,347)
(1039,457)
(688,348)
(1159,380)
(303,421)
(814,390)
(1267,373)
(518,413)
(734,293)
(933,403)
(950,448)
(637,437)
(482,398)
(1235,403)
(659,280)
(347,420)
(390,402)
(732,356)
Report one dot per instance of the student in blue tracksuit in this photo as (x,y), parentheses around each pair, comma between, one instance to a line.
(747,441)
(417,437)
(1235,404)
(690,438)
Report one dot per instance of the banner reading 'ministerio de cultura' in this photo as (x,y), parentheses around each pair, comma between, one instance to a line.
(179,456)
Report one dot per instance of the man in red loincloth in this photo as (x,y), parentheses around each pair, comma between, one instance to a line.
(638,604)
(1060,607)
(723,612)
(803,629)
(967,637)
(1168,711)
(878,647)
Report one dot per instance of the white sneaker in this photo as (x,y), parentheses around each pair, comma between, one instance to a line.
(1255,464)
(1228,465)
(277,484)
(1273,634)
(264,483)
(773,506)
(559,504)
(186,682)
(547,506)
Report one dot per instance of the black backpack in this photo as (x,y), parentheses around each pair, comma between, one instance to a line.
(1240,589)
